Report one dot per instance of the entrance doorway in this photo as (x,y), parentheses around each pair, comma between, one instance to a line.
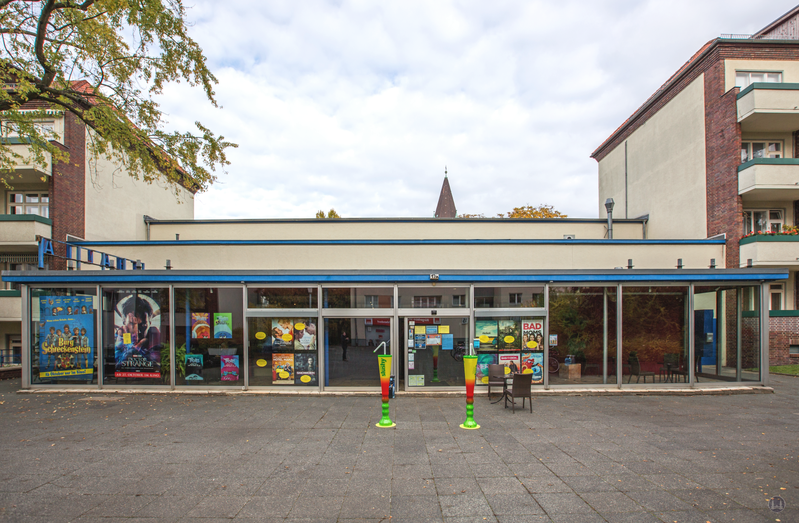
(434,352)
(351,345)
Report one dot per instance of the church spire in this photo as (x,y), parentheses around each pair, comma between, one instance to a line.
(446,204)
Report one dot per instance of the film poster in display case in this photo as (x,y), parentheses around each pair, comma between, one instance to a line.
(511,362)
(533,363)
(137,330)
(304,335)
(230,367)
(532,334)
(485,331)
(305,368)
(282,335)
(194,367)
(483,361)
(283,369)
(66,337)
(508,335)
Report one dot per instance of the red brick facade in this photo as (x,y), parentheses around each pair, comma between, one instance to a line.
(783,332)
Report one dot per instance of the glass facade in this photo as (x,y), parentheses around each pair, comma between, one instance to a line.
(243,336)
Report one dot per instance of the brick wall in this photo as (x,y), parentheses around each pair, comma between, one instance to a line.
(68,186)
(750,342)
(783,332)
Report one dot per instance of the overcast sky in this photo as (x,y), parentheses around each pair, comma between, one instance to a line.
(358,106)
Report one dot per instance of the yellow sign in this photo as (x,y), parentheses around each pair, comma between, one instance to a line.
(286,337)
(299,326)
(532,344)
(283,375)
(484,339)
(307,379)
(484,379)
(443,329)
(384,362)
(261,363)
(527,371)
(507,370)
(509,339)
(260,335)
(419,329)
(126,339)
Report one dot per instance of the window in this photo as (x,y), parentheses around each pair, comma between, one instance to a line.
(764,220)
(515,298)
(459,300)
(46,128)
(744,79)
(29,203)
(775,293)
(426,302)
(752,150)
(793,350)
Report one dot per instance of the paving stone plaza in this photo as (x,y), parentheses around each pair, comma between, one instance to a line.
(576,459)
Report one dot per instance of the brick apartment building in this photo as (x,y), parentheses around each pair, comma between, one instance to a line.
(715,151)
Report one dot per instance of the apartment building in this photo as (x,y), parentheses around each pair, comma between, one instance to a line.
(715,151)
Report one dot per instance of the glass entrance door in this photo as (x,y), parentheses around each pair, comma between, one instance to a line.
(435,349)
(350,350)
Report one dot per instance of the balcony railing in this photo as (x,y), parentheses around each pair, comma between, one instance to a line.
(23,228)
(769,179)
(767,250)
(769,107)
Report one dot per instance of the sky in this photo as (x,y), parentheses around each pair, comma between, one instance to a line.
(360,105)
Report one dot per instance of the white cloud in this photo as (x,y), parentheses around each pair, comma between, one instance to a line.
(358,105)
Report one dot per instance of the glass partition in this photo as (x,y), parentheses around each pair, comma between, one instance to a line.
(283,351)
(429,297)
(282,298)
(436,357)
(508,297)
(654,333)
(516,342)
(136,348)
(358,297)
(62,336)
(582,335)
(209,337)
(350,360)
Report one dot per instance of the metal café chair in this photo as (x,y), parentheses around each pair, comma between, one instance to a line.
(521,388)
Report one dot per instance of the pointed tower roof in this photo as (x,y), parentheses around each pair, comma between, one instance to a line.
(446,204)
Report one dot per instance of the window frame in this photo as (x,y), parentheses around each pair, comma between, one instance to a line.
(747,148)
(748,219)
(748,75)
(39,205)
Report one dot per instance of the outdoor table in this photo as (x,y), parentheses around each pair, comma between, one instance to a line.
(504,378)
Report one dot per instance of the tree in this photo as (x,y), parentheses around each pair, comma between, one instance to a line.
(330,214)
(528,211)
(104,61)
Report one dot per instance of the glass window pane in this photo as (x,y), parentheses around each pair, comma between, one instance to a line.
(744,152)
(774,147)
(45,211)
(579,318)
(429,297)
(758,150)
(501,297)
(16,197)
(45,198)
(773,77)
(136,348)
(436,350)
(31,209)
(17,209)
(63,343)
(209,336)
(31,198)
(756,77)
(348,350)
(742,80)
(356,297)
(283,351)
(282,298)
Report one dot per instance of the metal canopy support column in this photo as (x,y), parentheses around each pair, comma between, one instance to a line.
(691,337)
(619,303)
(764,333)
(26,337)
(605,335)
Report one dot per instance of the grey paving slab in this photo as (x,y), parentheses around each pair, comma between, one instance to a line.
(586,459)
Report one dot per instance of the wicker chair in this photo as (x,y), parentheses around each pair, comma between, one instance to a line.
(635,370)
(521,388)
(493,371)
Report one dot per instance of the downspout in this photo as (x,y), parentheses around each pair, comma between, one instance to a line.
(147,220)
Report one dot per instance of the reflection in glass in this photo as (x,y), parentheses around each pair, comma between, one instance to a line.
(436,358)
(358,297)
(349,350)
(283,351)
(282,298)
(508,297)
(209,336)
(582,327)
(429,297)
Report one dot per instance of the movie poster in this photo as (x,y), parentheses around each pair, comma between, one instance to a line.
(532,334)
(304,336)
(230,368)
(282,335)
(511,361)
(194,367)
(66,337)
(305,369)
(483,361)
(485,331)
(283,369)
(533,362)
(200,325)
(137,332)
(223,325)
(508,335)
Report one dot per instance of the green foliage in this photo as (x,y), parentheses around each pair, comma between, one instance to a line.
(528,211)
(180,361)
(104,61)
(330,214)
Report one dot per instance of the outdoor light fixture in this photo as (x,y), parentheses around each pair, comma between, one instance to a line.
(609,207)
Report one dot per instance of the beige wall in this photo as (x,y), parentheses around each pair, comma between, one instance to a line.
(788,68)
(10,310)
(323,258)
(771,254)
(116,203)
(392,229)
(665,169)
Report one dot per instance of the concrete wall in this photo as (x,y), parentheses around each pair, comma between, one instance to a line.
(391,229)
(433,258)
(665,169)
(116,203)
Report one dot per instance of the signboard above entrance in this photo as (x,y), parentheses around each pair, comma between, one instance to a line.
(79,255)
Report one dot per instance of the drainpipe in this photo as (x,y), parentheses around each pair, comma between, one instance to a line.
(147,220)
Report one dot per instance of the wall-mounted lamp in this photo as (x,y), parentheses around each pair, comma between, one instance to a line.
(630,263)
(609,207)
(712,263)
(679,263)
(168,265)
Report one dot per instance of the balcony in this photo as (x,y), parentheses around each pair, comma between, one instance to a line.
(10,305)
(767,250)
(773,179)
(18,231)
(769,107)
(24,166)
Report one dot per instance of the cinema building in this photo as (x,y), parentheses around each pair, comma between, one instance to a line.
(304,305)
